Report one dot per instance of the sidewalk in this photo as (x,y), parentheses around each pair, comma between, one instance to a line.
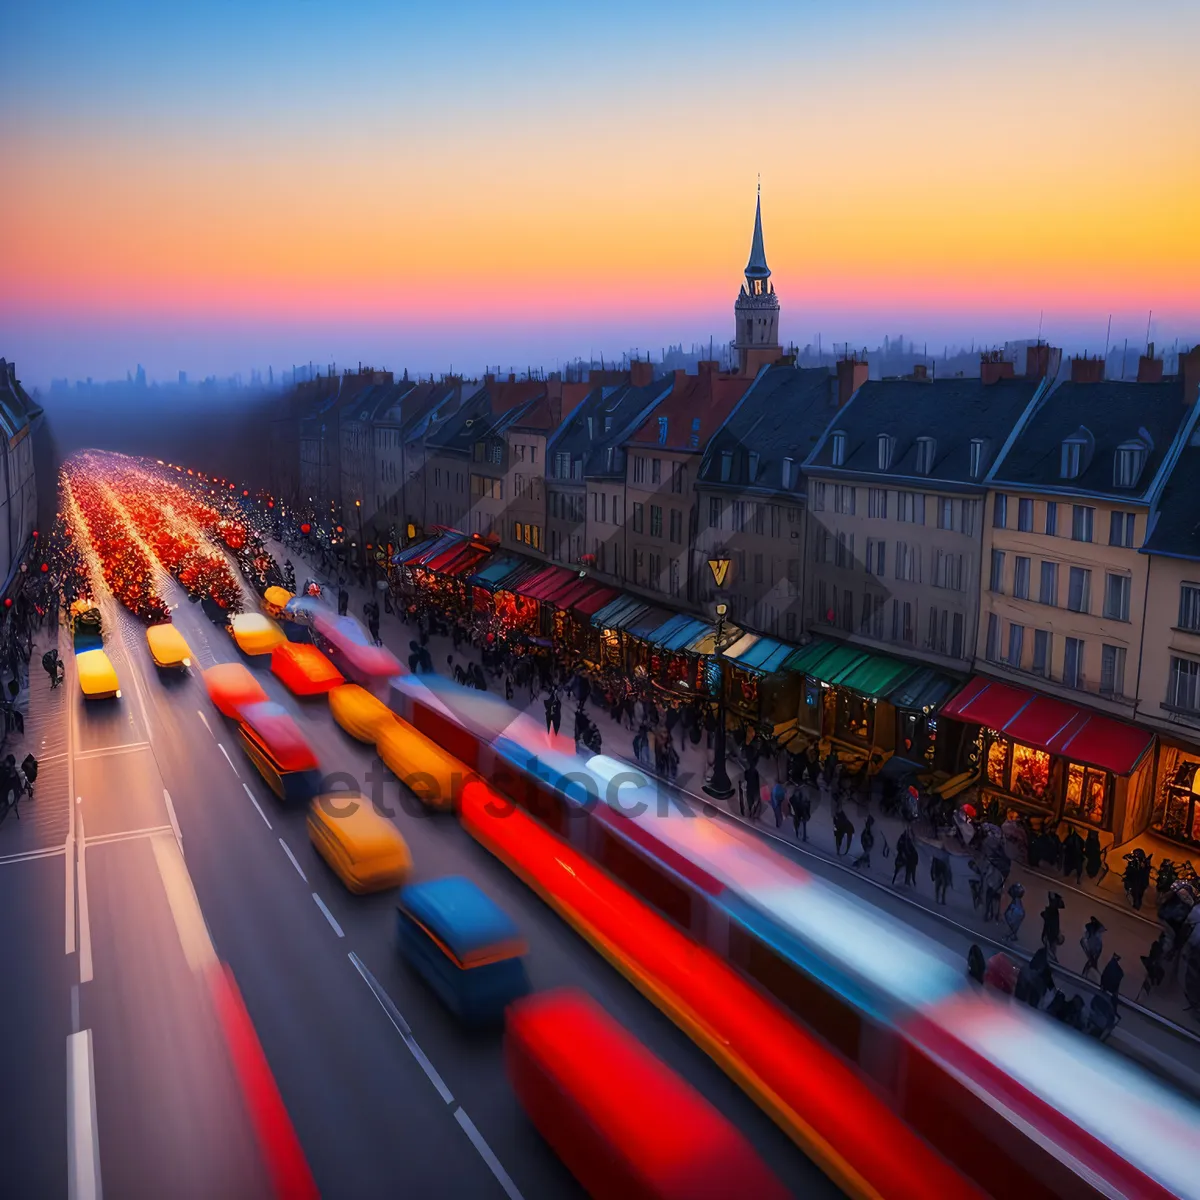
(1128,933)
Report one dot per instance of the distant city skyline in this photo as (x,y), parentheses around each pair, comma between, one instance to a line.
(485,185)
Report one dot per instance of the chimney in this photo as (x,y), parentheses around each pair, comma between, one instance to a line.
(489,380)
(1189,370)
(681,379)
(851,375)
(920,371)
(1087,370)
(512,378)
(993,367)
(641,374)
(1150,369)
(1038,360)
(708,367)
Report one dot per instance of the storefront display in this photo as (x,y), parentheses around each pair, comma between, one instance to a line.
(855,718)
(1024,772)
(1088,791)
(1177,807)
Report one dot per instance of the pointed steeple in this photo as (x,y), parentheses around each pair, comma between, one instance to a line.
(757,267)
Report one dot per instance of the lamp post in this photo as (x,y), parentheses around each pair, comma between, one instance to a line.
(718,785)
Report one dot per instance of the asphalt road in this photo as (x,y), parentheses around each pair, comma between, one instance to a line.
(385,1091)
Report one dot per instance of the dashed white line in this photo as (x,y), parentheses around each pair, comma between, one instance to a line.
(83,1143)
(85,924)
(288,851)
(485,1152)
(255,803)
(205,720)
(173,819)
(328,915)
(229,760)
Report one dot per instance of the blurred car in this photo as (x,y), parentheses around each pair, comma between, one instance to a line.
(232,686)
(275,600)
(463,945)
(622,1122)
(167,646)
(364,849)
(304,670)
(255,634)
(351,648)
(97,676)
(274,744)
(360,714)
(433,776)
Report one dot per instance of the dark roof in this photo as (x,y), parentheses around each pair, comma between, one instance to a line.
(781,416)
(583,435)
(953,412)
(692,411)
(476,421)
(1175,529)
(1105,416)
(17,409)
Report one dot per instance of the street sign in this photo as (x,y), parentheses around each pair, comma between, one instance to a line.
(719,568)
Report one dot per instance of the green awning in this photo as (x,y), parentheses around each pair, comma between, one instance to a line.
(875,676)
(807,657)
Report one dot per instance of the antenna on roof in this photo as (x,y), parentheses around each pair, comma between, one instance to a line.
(1108,337)
(1041,314)
(1148,316)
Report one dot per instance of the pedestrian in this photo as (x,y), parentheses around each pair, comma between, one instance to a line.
(1092,944)
(548,704)
(911,861)
(801,811)
(902,844)
(1034,980)
(556,714)
(940,873)
(750,775)
(373,624)
(1153,963)
(843,828)
(1014,914)
(1072,854)
(866,840)
(508,687)
(1092,857)
(343,602)
(1052,936)
(778,796)
(1111,976)
(29,767)
(414,658)
(829,767)
(52,667)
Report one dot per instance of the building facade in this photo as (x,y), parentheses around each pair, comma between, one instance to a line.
(19,416)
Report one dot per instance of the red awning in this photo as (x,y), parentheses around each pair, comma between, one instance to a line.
(545,583)
(565,596)
(590,604)
(1052,725)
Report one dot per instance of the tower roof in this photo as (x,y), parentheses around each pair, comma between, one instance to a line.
(757,267)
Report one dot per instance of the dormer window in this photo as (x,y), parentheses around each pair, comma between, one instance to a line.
(926,448)
(976,458)
(1128,463)
(839,449)
(887,445)
(1076,453)
(726,465)
(788,465)
(752,466)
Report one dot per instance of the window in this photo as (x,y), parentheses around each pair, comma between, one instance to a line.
(726,465)
(495,453)
(1051,518)
(638,513)
(1073,663)
(1079,590)
(776,521)
(976,457)
(1025,515)
(662,431)
(908,562)
(968,517)
(910,507)
(877,557)
(739,516)
(956,635)
(818,497)
(948,571)
(877,505)
(992,650)
(1016,641)
(997,581)
(1021,577)
(714,512)
(752,466)
(926,448)
(789,472)
(1112,670)
(639,469)
(656,470)
(1081,522)
(1041,652)
(1072,454)
(675,586)
(518,486)
(655,579)
(656,520)
(678,471)
(1000,511)
(676,525)
(1120,529)
(908,632)
(1189,607)
(845,551)
(945,510)
(1048,593)
(843,500)
(1183,685)
(518,452)
(864,623)
(1128,463)
(886,445)
(838,450)
(1116,596)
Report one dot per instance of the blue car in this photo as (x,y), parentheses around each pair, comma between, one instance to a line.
(464,946)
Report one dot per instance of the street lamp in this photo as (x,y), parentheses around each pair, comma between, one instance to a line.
(718,786)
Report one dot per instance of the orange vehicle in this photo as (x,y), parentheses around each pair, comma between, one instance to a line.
(274,744)
(304,670)
(232,686)
(622,1122)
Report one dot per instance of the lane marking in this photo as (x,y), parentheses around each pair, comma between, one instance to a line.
(288,851)
(105,751)
(74,1008)
(128,835)
(228,760)
(402,1028)
(485,1152)
(185,907)
(85,924)
(328,915)
(49,758)
(27,855)
(255,803)
(205,720)
(173,819)
(83,1143)
(69,849)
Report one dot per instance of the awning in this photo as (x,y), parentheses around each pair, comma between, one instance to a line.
(594,600)
(619,612)
(409,552)
(679,632)
(874,676)
(761,654)
(924,690)
(1052,725)
(491,572)
(458,559)
(571,590)
(423,553)
(545,583)
(808,658)
(643,624)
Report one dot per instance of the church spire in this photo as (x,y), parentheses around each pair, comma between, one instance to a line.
(757,267)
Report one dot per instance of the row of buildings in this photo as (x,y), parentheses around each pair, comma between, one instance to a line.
(1037,525)
(19,416)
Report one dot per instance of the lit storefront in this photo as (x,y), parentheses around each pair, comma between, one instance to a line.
(755,688)
(623,624)
(673,656)
(1177,802)
(1051,759)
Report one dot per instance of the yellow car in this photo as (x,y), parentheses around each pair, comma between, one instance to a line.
(97,676)
(366,851)
(360,714)
(167,647)
(255,634)
(275,601)
(433,776)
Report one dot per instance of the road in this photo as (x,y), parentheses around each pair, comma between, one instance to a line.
(384,1090)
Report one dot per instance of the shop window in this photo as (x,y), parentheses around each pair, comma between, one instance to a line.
(1031,774)
(997,762)
(1177,814)
(1087,794)
(855,718)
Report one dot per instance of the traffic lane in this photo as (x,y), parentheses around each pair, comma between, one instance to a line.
(363,1109)
(121,791)
(35,1019)
(171,1118)
(102,724)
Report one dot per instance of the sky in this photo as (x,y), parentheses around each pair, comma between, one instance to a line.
(219,186)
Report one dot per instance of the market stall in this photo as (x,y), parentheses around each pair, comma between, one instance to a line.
(756,687)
